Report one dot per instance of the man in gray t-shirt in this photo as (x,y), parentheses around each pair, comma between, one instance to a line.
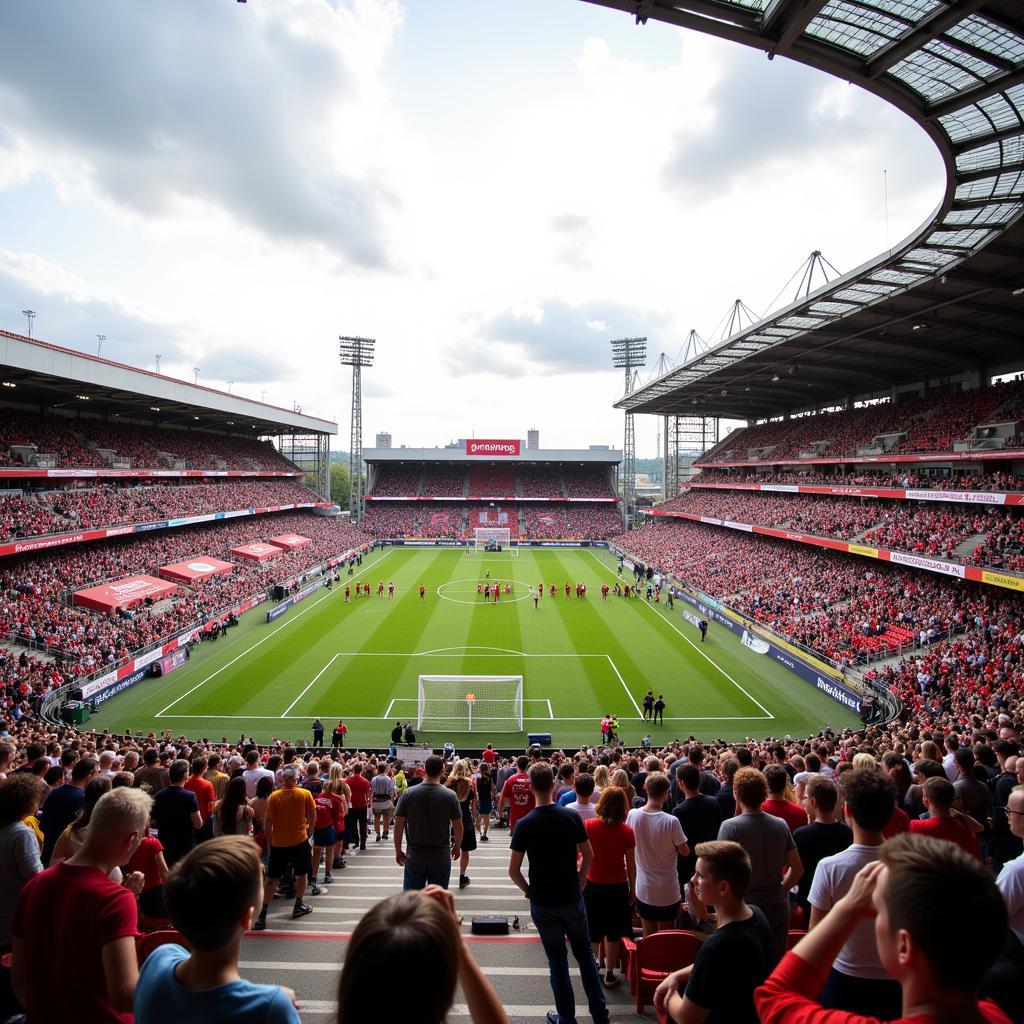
(773,855)
(431,813)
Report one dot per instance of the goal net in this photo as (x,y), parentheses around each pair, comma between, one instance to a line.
(487,538)
(470,703)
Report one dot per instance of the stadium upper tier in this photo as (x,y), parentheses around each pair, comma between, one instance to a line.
(946,300)
(31,440)
(981,424)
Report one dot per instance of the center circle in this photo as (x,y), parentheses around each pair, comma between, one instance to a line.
(464,591)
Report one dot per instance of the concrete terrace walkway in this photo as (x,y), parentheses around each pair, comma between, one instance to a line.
(306,954)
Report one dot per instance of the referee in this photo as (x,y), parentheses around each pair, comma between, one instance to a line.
(659,709)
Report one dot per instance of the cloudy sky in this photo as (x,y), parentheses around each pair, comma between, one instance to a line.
(492,189)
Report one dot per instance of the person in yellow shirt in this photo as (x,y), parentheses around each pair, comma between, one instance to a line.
(289,819)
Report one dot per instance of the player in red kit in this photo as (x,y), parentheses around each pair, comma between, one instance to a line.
(366,589)
(604,591)
(423,591)
(348,594)
(568,590)
(540,589)
(508,589)
(553,588)
(380,589)
(391,589)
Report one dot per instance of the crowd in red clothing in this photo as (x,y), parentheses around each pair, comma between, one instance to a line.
(996,481)
(923,528)
(826,601)
(931,423)
(88,508)
(75,442)
(33,609)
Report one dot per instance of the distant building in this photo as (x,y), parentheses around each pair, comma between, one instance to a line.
(532,440)
(383,440)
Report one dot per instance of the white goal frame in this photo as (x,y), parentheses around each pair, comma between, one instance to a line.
(484,535)
(454,704)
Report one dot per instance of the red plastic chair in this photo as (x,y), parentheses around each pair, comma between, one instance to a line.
(653,959)
(153,924)
(795,935)
(145,944)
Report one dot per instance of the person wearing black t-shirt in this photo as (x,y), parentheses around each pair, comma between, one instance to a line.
(822,837)
(176,814)
(552,837)
(719,986)
(699,814)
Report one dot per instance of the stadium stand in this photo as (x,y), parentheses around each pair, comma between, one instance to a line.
(53,512)
(915,424)
(952,480)
(78,443)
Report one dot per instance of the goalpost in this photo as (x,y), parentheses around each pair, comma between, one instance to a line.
(502,536)
(470,703)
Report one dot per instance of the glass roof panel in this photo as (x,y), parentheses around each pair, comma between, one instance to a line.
(995,214)
(977,30)
(993,155)
(932,76)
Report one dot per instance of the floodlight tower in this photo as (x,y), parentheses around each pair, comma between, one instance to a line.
(628,354)
(357,353)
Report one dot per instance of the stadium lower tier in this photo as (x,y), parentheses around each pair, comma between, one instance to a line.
(35,609)
(52,512)
(519,481)
(838,608)
(981,535)
(440,520)
(951,480)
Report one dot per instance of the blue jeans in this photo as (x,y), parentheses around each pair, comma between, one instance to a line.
(420,875)
(555,925)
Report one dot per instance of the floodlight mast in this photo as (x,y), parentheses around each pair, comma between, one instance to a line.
(628,354)
(357,353)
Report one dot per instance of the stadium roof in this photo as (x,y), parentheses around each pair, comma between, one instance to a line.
(595,456)
(949,298)
(50,377)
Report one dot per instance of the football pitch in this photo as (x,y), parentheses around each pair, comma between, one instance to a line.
(579,659)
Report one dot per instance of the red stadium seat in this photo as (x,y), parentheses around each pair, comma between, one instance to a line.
(652,959)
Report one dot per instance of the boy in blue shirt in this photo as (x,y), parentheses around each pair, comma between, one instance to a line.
(212,896)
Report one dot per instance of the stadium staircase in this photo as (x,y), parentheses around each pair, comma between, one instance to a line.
(306,954)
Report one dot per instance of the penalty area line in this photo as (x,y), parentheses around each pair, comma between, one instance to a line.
(251,648)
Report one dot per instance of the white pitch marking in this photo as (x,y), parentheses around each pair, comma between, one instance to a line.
(308,685)
(248,650)
(551,713)
(710,661)
(639,713)
(448,650)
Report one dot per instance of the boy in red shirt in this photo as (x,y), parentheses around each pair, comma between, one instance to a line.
(517,793)
(205,796)
(938,795)
(58,972)
(917,887)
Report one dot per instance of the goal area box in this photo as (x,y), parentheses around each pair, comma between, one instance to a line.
(491,538)
(470,703)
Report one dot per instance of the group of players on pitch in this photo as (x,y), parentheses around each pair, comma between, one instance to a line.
(363,590)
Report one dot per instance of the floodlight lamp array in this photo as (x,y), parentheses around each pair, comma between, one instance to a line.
(356,351)
(629,352)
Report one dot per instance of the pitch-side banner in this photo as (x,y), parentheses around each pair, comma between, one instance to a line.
(489,449)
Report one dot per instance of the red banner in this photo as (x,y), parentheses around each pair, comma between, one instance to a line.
(489,449)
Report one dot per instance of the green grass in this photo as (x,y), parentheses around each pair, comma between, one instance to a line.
(584,657)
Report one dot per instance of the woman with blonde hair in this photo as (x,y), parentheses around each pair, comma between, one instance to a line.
(336,784)
(620,778)
(602,778)
(460,781)
(611,879)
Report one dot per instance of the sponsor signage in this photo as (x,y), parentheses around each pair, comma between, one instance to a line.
(797,665)
(171,661)
(490,448)
(929,564)
(1002,579)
